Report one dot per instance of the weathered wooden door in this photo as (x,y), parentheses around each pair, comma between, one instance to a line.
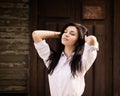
(52,15)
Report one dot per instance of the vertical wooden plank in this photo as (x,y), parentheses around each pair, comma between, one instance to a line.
(109,48)
(33,55)
(40,77)
(89,83)
(33,72)
(100,62)
(116,41)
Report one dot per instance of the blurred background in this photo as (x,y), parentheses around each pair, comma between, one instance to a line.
(22,72)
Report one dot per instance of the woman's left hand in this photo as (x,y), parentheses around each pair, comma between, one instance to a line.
(91,40)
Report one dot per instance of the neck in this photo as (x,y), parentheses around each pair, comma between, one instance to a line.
(68,51)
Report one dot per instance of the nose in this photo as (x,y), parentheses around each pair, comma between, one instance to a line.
(67,34)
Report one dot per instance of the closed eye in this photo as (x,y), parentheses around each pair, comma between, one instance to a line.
(72,33)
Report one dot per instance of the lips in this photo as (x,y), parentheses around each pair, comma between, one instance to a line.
(65,39)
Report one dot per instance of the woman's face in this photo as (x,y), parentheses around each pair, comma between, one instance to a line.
(70,36)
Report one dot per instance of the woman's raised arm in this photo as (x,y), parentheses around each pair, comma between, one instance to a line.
(39,35)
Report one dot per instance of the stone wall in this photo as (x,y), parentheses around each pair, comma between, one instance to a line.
(14,46)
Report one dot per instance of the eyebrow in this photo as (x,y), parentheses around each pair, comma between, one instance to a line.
(72,31)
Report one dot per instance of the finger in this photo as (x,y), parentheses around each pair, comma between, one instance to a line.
(85,37)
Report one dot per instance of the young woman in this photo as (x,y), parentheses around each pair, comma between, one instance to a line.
(67,66)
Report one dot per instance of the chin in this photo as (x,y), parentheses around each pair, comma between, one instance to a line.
(63,43)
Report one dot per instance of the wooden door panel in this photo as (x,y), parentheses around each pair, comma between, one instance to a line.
(100,67)
(55,8)
(53,15)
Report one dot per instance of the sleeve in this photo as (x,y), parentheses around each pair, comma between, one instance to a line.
(89,56)
(43,51)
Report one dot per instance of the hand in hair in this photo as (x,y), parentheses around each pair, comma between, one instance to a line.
(91,40)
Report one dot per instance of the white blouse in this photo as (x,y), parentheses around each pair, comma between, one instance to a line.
(61,82)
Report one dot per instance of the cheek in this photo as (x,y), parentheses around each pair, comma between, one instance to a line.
(73,41)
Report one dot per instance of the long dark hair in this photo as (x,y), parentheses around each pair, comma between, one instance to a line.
(75,63)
